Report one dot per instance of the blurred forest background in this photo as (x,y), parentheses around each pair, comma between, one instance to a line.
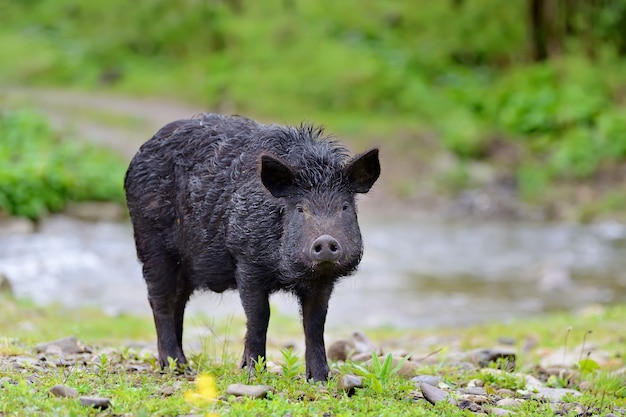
(526,95)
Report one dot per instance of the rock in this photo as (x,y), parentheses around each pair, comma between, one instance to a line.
(251,391)
(95,402)
(68,345)
(427,379)
(94,211)
(495,411)
(475,391)
(575,408)
(15,226)
(508,402)
(361,357)
(484,357)
(532,382)
(362,344)
(5,381)
(63,391)
(504,392)
(273,368)
(340,350)
(476,383)
(478,399)
(23,362)
(434,395)
(6,289)
(168,391)
(585,385)
(349,383)
(555,394)
(55,350)
(465,404)
(505,340)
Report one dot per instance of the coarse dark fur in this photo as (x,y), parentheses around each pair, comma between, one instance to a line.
(223,202)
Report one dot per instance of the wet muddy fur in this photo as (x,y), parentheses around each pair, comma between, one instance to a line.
(223,202)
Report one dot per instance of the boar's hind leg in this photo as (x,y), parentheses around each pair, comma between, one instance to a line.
(168,294)
(314,308)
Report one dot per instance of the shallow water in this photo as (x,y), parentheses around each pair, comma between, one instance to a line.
(415,273)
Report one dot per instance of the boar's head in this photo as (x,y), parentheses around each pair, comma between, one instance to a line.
(320,240)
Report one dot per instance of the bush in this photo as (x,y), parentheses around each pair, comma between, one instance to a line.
(40,171)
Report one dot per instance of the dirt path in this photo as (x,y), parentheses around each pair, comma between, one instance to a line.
(120,122)
(124,123)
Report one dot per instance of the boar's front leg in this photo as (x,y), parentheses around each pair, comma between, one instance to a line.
(256,305)
(314,308)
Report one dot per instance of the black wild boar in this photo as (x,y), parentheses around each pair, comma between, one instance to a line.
(223,202)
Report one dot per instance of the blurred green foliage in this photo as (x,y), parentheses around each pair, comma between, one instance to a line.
(40,171)
(463,70)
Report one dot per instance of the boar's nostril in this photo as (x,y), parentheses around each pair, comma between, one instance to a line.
(325,249)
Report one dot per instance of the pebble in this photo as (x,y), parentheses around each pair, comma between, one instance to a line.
(484,357)
(340,350)
(476,383)
(251,391)
(427,379)
(434,395)
(504,392)
(68,345)
(577,408)
(495,411)
(465,404)
(6,289)
(95,402)
(168,391)
(16,226)
(6,380)
(63,391)
(478,399)
(508,402)
(362,344)
(349,383)
(506,340)
(555,394)
(475,391)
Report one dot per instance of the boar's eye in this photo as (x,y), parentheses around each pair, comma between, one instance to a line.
(299,208)
(345,206)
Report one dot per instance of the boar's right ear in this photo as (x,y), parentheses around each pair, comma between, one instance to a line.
(363,171)
(277,177)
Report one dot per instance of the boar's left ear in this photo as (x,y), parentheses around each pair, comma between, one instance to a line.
(277,177)
(363,171)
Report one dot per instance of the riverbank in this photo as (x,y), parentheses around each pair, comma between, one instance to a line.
(558,364)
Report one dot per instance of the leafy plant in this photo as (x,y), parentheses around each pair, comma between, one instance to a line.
(41,172)
(381,372)
(291,365)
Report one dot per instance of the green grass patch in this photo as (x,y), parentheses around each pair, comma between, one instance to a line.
(42,170)
(118,368)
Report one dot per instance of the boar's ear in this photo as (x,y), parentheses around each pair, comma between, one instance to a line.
(277,177)
(363,171)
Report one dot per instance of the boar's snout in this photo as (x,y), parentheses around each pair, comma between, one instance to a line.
(326,249)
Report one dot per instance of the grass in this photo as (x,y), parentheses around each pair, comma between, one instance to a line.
(468,89)
(122,366)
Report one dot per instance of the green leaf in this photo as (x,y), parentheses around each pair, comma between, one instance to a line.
(588,365)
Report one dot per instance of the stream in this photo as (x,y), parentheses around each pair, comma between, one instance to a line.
(415,273)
